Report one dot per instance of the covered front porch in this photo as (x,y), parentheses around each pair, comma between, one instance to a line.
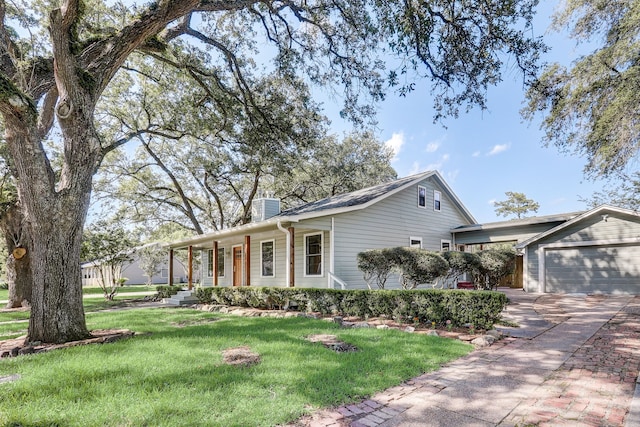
(269,253)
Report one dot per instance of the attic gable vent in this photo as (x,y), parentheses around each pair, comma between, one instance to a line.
(264,208)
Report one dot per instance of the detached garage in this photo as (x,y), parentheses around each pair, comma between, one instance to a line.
(595,252)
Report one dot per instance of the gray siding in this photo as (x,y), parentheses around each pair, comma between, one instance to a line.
(506,234)
(279,278)
(389,223)
(303,281)
(617,227)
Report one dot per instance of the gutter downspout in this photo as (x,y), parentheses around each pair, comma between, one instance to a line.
(331,253)
(288,253)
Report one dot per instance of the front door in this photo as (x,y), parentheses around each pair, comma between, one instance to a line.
(237,266)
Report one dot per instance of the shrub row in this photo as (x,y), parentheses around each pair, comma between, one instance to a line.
(166,291)
(416,266)
(481,308)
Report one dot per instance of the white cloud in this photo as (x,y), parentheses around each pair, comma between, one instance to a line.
(432,147)
(499,148)
(476,154)
(435,144)
(492,202)
(395,143)
(415,168)
(438,164)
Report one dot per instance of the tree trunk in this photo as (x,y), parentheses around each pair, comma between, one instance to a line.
(19,274)
(55,211)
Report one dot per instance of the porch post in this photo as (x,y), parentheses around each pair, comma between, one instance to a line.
(247,260)
(170,267)
(190,268)
(215,263)
(292,258)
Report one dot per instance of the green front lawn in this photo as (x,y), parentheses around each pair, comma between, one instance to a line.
(4,293)
(90,305)
(173,374)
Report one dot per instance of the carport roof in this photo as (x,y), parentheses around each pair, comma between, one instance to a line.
(517,222)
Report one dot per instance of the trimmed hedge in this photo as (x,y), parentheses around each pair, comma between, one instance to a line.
(479,308)
(166,291)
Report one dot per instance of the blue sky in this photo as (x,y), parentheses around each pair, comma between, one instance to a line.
(484,154)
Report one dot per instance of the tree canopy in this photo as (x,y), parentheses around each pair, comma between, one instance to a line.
(592,108)
(516,204)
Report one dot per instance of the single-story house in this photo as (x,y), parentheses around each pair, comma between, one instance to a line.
(316,244)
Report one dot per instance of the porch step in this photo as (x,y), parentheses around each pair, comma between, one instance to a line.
(181,298)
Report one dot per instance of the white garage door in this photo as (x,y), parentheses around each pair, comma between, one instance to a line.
(593,269)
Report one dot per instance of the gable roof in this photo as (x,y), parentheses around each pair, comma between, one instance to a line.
(342,203)
(353,199)
(366,197)
(599,210)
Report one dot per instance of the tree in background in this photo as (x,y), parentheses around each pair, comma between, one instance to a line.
(625,195)
(58,61)
(516,204)
(201,168)
(108,247)
(151,258)
(334,167)
(16,239)
(593,107)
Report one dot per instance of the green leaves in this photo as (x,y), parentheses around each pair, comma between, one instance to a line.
(516,204)
(592,108)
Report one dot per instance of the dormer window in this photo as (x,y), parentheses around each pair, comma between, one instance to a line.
(422,196)
(436,200)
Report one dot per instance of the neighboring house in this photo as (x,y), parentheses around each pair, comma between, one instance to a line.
(316,245)
(597,251)
(132,272)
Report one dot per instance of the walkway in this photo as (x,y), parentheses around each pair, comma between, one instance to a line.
(574,361)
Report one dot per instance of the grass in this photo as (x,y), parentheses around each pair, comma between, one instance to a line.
(4,293)
(121,289)
(173,375)
(89,306)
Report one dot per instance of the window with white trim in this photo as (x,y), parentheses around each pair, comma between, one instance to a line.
(445,245)
(437,204)
(313,254)
(415,242)
(220,262)
(422,196)
(267,257)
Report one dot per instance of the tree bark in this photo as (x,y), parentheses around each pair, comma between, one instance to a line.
(54,215)
(19,274)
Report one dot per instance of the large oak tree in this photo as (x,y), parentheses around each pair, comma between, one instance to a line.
(54,78)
